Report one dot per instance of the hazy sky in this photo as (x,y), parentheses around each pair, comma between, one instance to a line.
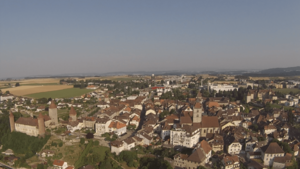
(58,37)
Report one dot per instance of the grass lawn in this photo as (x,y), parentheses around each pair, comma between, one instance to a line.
(277,106)
(65,93)
(287,91)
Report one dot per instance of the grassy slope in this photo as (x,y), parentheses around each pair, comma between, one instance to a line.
(286,91)
(65,93)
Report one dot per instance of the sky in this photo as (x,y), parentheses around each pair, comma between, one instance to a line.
(62,37)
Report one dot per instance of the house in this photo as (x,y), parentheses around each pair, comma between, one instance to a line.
(40,108)
(129,143)
(206,149)
(282,162)
(269,152)
(47,153)
(116,147)
(269,129)
(231,162)
(6,97)
(117,127)
(234,147)
(8,152)
(101,125)
(59,164)
(146,138)
(217,143)
(92,87)
(196,159)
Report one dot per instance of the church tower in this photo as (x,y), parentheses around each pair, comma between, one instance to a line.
(53,112)
(12,121)
(41,124)
(72,114)
(197,113)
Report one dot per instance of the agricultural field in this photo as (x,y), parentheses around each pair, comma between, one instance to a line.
(65,93)
(287,91)
(121,78)
(27,90)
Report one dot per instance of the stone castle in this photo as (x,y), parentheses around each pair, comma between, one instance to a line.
(35,126)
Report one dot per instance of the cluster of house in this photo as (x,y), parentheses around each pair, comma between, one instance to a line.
(215,125)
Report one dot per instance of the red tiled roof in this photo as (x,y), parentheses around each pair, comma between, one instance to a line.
(52,105)
(58,162)
(72,111)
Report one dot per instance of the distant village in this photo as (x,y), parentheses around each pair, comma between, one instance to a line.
(222,121)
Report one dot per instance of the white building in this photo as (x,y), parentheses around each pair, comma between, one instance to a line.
(269,152)
(221,87)
(235,147)
(59,164)
(6,97)
(186,136)
(101,125)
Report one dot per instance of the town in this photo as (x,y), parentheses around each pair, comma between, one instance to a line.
(157,121)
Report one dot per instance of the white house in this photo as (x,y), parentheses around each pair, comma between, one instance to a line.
(6,97)
(117,127)
(59,164)
(235,147)
(116,147)
(269,152)
(101,125)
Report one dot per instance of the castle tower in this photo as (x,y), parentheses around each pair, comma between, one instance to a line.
(197,113)
(53,112)
(41,124)
(73,114)
(12,122)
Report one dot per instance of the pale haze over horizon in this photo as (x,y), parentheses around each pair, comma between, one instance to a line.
(63,37)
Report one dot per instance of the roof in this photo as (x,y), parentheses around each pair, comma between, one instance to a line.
(116,143)
(185,119)
(129,140)
(210,121)
(72,111)
(205,146)
(116,124)
(197,156)
(197,105)
(211,104)
(58,162)
(229,160)
(52,105)
(27,121)
(272,148)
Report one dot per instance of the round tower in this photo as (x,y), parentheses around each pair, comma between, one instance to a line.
(11,121)
(41,125)
(73,114)
(53,112)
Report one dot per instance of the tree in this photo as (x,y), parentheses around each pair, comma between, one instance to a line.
(7,92)
(17,84)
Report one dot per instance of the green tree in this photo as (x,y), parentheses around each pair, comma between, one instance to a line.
(17,84)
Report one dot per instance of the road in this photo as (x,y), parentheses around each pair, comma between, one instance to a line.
(7,166)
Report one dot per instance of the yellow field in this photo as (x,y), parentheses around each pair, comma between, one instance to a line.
(26,90)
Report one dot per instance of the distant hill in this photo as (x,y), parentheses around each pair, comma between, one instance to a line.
(290,71)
